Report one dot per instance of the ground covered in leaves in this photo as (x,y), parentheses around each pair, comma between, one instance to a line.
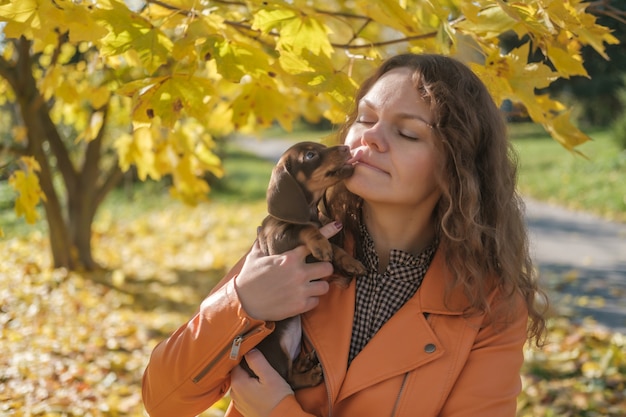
(76,344)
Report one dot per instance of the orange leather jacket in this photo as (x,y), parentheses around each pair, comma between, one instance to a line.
(427,360)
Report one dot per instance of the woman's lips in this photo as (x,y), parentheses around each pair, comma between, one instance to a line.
(359,158)
(356,156)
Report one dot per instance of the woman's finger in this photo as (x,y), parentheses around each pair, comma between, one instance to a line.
(331,229)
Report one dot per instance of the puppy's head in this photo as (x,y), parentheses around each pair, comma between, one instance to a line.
(301,176)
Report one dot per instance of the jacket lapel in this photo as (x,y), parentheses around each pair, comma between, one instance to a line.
(405,342)
(329,328)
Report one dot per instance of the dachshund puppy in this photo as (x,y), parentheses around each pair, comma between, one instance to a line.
(298,182)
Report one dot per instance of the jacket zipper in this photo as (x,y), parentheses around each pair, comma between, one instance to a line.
(234,352)
(395,406)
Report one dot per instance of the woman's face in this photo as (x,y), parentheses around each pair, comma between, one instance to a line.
(394,145)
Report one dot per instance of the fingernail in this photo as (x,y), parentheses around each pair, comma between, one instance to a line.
(338,225)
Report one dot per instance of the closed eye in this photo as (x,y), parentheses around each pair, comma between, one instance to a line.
(364,121)
(408,135)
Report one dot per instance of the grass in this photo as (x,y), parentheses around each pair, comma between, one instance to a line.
(245,179)
(593,183)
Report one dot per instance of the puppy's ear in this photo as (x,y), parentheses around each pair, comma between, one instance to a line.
(286,200)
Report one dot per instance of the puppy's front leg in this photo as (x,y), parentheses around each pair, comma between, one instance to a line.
(319,246)
(347,264)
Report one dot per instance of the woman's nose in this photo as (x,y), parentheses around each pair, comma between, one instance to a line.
(375,137)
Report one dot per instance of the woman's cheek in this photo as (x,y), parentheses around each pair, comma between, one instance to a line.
(352,138)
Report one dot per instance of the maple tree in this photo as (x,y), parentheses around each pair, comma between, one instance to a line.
(102,85)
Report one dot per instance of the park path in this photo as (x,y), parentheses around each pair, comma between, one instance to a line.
(581,258)
(582,262)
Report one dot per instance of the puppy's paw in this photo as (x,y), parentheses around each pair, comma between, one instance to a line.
(306,372)
(316,375)
(305,363)
(348,264)
(340,280)
(322,250)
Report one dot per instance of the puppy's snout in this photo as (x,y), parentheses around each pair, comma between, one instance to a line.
(342,151)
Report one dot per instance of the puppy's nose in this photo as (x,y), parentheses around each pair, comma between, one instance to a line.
(343,148)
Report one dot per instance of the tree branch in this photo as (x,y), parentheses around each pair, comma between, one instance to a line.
(7,71)
(91,163)
(12,149)
(63,38)
(604,8)
(385,43)
(112,178)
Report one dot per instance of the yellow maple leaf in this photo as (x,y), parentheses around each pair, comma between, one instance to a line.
(98,96)
(565,63)
(168,97)
(488,23)
(19,133)
(79,22)
(93,128)
(298,31)
(20,17)
(572,17)
(235,60)
(26,182)
(128,31)
(266,19)
(218,120)
(389,13)
(260,103)
(187,185)
(306,33)
(192,139)
(138,149)
(294,63)
(562,129)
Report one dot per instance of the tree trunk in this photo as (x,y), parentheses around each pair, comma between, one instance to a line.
(30,103)
(85,189)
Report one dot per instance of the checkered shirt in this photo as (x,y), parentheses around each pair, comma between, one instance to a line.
(380,295)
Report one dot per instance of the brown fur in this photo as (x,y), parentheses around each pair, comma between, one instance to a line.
(298,182)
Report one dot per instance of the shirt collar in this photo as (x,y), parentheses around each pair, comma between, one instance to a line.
(397,257)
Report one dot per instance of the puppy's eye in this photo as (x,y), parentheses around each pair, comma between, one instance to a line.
(309,155)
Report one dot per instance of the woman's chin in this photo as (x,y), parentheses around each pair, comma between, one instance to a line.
(360,185)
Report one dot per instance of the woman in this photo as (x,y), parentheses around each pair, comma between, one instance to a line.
(437,325)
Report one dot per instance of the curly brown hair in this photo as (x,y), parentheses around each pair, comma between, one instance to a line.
(480,215)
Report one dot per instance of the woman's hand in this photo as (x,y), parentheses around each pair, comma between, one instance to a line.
(257,397)
(276,287)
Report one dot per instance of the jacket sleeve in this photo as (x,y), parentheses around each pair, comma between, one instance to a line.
(489,384)
(190,370)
